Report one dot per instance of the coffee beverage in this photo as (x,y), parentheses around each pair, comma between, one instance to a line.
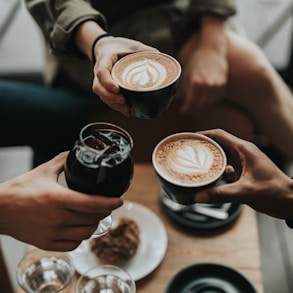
(186,162)
(146,71)
(189,160)
(148,81)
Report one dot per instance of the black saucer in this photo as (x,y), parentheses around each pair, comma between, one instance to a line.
(210,278)
(194,220)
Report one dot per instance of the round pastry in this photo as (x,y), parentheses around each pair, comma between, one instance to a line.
(119,244)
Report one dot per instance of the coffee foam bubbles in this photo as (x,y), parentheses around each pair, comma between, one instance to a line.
(189,161)
(145,73)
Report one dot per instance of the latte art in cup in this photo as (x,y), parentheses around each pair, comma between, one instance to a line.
(144,74)
(192,161)
(146,71)
(189,160)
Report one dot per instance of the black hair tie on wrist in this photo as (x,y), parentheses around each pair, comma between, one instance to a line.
(94,44)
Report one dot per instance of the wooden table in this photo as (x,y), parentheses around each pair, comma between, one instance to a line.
(236,245)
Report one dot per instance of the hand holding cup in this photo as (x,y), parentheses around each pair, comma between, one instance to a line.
(187,162)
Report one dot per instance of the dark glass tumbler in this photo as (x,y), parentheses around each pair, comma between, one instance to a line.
(100,163)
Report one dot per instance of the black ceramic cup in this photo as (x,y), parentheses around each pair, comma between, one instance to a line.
(186,163)
(148,81)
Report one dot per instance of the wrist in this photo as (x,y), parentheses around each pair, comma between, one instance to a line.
(6,200)
(212,32)
(86,33)
(96,40)
(210,22)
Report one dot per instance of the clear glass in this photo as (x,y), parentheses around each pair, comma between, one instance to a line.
(105,279)
(42,271)
(100,163)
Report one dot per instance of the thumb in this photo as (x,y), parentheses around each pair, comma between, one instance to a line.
(219,194)
(54,166)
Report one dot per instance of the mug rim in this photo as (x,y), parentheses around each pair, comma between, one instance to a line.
(36,255)
(189,185)
(109,266)
(124,132)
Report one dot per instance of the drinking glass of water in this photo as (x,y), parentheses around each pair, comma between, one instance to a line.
(42,271)
(105,278)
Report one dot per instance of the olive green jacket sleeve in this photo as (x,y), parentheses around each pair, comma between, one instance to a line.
(58,19)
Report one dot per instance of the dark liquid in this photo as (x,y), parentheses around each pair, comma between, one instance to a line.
(104,170)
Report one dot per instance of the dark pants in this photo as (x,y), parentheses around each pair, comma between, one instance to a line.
(45,119)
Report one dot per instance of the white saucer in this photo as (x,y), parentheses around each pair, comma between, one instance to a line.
(151,250)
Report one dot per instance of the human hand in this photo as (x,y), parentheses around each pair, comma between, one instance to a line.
(108,51)
(36,209)
(256,180)
(205,67)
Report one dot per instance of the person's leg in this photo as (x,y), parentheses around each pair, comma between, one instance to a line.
(47,120)
(256,87)
(225,115)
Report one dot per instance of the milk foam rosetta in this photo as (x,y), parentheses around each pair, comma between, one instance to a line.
(189,160)
(146,71)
